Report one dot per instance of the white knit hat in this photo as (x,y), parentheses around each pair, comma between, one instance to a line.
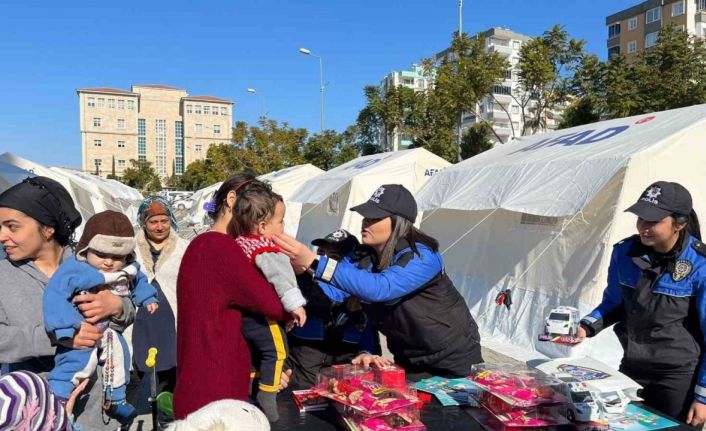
(224,415)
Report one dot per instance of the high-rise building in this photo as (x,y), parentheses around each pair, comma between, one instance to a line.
(155,123)
(637,28)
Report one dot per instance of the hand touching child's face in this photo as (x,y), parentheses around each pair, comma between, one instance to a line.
(105,262)
(275,224)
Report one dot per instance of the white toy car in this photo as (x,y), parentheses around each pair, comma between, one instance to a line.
(561,326)
(582,406)
(613,403)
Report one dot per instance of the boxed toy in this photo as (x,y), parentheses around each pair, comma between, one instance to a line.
(364,396)
(404,419)
(517,386)
(491,422)
(561,326)
(392,376)
(309,401)
(452,392)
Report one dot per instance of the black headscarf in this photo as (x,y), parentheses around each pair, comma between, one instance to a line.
(46,201)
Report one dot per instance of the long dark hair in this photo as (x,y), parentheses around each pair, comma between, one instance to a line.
(229,185)
(404,229)
(693,227)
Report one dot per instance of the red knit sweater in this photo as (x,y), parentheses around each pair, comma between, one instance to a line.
(216,281)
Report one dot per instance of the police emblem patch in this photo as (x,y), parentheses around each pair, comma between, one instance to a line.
(681,270)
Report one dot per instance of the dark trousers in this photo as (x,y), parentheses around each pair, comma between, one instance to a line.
(268,347)
(671,394)
(308,357)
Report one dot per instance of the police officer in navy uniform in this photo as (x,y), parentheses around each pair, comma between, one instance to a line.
(427,323)
(656,299)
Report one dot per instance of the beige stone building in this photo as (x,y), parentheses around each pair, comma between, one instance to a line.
(155,123)
(637,28)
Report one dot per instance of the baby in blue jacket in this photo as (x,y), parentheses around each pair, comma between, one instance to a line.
(105,260)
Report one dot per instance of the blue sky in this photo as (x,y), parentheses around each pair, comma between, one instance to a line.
(220,48)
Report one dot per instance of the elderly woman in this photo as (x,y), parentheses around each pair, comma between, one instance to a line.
(159,252)
(37,223)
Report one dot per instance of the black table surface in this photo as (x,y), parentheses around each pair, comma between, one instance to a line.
(434,415)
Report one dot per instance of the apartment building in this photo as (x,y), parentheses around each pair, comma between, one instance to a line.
(157,123)
(635,29)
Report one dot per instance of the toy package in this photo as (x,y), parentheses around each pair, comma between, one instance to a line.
(452,392)
(491,422)
(518,387)
(346,386)
(392,376)
(309,401)
(404,419)
(561,326)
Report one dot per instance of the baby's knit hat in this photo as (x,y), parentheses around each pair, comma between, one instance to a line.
(108,232)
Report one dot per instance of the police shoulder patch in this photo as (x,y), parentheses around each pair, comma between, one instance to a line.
(682,269)
(700,247)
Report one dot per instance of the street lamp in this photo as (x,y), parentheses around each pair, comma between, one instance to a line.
(262,101)
(321,80)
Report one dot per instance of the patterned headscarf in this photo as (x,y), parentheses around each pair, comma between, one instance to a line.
(155,205)
(27,403)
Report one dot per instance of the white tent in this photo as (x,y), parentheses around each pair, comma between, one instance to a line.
(286,182)
(540,215)
(327,198)
(106,194)
(82,198)
(11,175)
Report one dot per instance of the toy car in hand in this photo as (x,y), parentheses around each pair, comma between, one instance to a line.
(562,326)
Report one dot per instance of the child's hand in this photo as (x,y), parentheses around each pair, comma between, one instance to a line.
(299,316)
(289,325)
(151,308)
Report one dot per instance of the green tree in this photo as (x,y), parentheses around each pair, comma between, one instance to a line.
(463,78)
(477,139)
(387,112)
(544,73)
(142,176)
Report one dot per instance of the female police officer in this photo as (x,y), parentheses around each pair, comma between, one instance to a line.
(655,298)
(427,323)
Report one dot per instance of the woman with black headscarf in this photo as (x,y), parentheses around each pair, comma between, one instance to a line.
(37,222)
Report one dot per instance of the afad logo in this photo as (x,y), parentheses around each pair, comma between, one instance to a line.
(585,137)
(430,172)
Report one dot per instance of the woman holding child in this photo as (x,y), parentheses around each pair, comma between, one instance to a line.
(217,284)
(37,223)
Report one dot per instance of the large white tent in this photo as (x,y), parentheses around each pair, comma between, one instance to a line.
(539,216)
(284,182)
(11,175)
(326,199)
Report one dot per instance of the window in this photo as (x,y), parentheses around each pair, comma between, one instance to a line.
(651,39)
(215,110)
(198,128)
(121,144)
(502,90)
(130,105)
(224,111)
(206,110)
(678,8)
(515,126)
(613,51)
(632,23)
(632,46)
(97,143)
(111,103)
(197,109)
(121,123)
(161,146)
(198,148)
(96,122)
(101,102)
(97,162)
(91,102)
(653,15)
(189,109)
(179,147)
(121,104)
(216,129)
(515,109)
(516,44)
(614,30)
(121,163)
(508,74)
(141,140)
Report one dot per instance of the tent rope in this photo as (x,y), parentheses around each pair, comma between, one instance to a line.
(468,231)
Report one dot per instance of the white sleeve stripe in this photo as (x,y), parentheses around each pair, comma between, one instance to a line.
(700,390)
(329,270)
(590,319)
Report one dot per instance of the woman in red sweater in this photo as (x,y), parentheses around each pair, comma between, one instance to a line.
(216,282)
